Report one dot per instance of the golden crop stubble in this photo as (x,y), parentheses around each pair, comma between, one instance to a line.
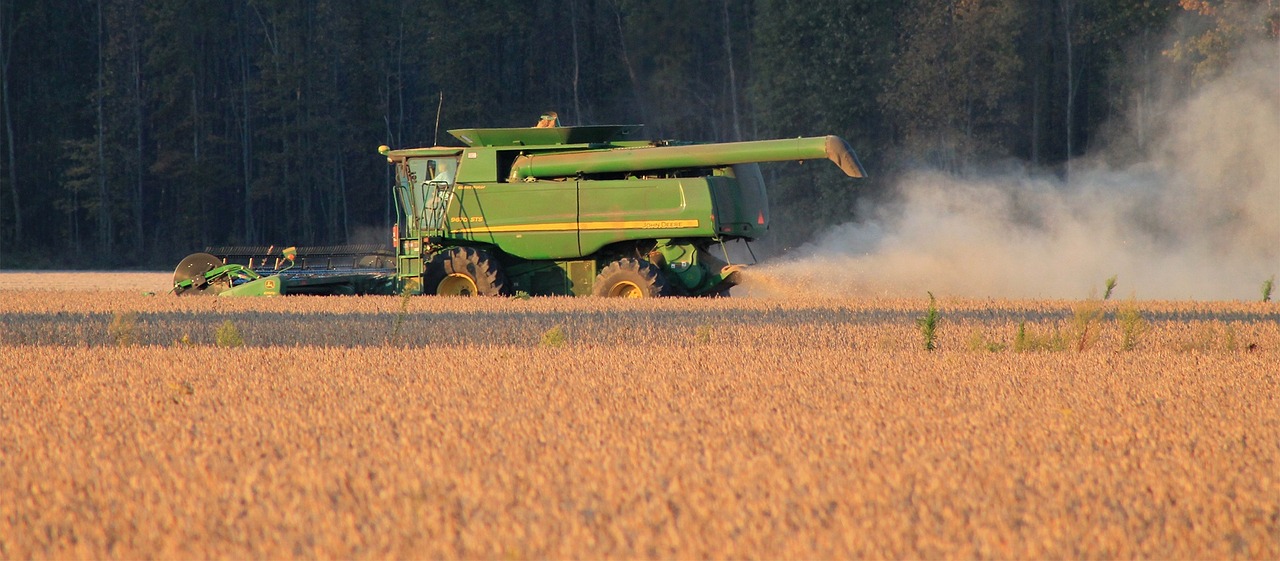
(795,436)
(795,429)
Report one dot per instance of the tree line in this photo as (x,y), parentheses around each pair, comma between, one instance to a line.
(135,131)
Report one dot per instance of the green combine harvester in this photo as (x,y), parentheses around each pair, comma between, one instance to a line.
(542,211)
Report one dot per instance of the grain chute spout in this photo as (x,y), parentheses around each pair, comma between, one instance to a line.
(842,155)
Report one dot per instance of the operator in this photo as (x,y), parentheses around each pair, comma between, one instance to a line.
(440,172)
(549,120)
(445,176)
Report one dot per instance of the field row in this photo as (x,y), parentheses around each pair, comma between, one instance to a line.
(119,318)
(87,300)
(85,281)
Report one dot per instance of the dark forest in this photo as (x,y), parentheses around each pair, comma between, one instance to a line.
(137,132)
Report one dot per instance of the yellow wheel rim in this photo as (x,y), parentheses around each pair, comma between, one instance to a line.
(626,289)
(457,284)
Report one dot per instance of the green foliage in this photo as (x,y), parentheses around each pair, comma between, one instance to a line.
(521,295)
(228,336)
(815,74)
(954,76)
(819,66)
(400,318)
(124,328)
(929,324)
(1028,340)
(1084,326)
(1209,336)
(1109,286)
(979,342)
(703,333)
(553,337)
(1267,285)
(1132,326)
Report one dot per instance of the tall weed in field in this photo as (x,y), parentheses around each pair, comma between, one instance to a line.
(228,335)
(1132,325)
(703,333)
(1267,285)
(1026,340)
(929,324)
(1109,286)
(394,339)
(978,342)
(553,337)
(1085,318)
(124,328)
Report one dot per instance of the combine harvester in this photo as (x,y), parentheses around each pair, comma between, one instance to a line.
(542,211)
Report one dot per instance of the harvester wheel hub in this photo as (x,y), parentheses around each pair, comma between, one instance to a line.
(457,284)
(626,289)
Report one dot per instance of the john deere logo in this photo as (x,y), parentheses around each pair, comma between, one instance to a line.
(271,285)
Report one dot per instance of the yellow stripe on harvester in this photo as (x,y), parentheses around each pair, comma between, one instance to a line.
(569,226)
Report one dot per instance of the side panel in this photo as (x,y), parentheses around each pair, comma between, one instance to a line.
(742,207)
(530,220)
(478,166)
(641,209)
(546,278)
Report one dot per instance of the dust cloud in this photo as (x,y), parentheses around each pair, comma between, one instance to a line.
(371,235)
(1193,215)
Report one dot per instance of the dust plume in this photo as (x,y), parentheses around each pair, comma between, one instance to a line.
(1195,215)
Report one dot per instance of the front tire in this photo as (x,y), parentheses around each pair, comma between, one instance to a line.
(465,271)
(630,278)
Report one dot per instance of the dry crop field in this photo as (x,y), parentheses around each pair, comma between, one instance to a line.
(136,425)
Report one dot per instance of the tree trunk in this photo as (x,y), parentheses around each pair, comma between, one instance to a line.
(631,71)
(1071,83)
(6,43)
(733,77)
(342,194)
(394,137)
(139,163)
(399,132)
(4,98)
(246,136)
(1035,120)
(573,25)
(105,233)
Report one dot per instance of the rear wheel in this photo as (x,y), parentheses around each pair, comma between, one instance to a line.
(465,271)
(630,278)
